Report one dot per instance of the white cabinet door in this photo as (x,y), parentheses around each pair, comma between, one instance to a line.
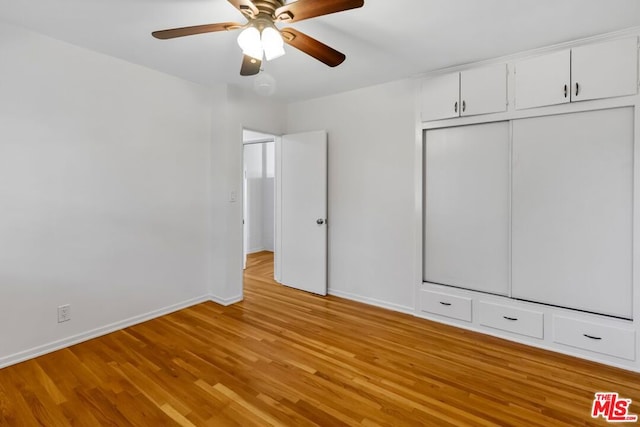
(466,211)
(572,210)
(604,70)
(543,80)
(483,90)
(441,97)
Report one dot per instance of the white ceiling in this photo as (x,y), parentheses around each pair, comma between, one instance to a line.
(383,41)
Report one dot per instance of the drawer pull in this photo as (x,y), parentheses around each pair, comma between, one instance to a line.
(445,303)
(510,318)
(592,337)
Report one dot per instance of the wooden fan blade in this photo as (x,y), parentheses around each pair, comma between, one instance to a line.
(305,9)
(246,7)
(313,47)
(198,29)
(250,66)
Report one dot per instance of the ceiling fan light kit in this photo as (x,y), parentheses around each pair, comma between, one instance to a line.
(261,38)
(272,43)
(250,43)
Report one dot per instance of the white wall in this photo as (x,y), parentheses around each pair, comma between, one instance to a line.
(104,198)
(259,197)
(115,185)
(269,197)
(371,219)
(253,159)
(242,110)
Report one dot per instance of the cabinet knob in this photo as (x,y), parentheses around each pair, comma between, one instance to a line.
(565,90)
(464,106)
(455,107)
(577,88)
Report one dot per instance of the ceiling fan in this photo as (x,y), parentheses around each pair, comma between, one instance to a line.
(261,38)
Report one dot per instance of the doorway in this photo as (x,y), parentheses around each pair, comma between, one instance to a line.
(285,207)
(259,200)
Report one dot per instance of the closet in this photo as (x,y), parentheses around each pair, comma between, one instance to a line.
(572,210)
(528,219)
(466,210)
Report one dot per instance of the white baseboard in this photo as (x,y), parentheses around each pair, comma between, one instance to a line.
(225,301)
(94,333)
(372,301)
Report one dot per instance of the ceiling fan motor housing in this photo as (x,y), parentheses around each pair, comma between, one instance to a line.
(266,8)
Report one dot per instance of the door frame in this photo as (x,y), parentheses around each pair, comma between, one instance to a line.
(270,137)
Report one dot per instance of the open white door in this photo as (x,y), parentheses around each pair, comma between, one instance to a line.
(302,219)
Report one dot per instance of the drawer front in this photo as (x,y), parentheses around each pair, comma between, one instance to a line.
(446,305)
(517,320)
(611,340)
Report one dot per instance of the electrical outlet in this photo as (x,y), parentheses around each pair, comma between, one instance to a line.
(64,313)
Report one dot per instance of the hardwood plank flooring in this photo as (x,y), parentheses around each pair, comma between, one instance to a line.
(285,357)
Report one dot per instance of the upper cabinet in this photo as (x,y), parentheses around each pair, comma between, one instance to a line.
(604,70)
(543,80)
(467,93)
(441,97)
(595,71)
(483,90)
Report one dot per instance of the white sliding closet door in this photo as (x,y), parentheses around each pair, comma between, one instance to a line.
(466,211)
(572,210)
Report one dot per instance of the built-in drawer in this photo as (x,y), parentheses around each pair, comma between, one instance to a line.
(446,305)
(605,339)
(518,320)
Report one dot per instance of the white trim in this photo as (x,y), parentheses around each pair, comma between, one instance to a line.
(373,302)
(259,141)
(551,110)
(94,333)
(277,240)
(225,301)
(418,236)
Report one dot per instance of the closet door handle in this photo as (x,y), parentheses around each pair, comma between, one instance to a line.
(455,107)
(566,91)
(577,88)
(592,337)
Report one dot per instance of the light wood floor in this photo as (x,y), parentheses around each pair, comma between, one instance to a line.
(285,357)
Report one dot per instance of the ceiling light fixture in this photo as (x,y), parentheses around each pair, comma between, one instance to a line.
(256,43)
(249,41)
(272,43)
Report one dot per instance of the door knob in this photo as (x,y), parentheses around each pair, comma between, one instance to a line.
(320,221)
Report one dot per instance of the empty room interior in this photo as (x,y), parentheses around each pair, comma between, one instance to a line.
(319,213)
